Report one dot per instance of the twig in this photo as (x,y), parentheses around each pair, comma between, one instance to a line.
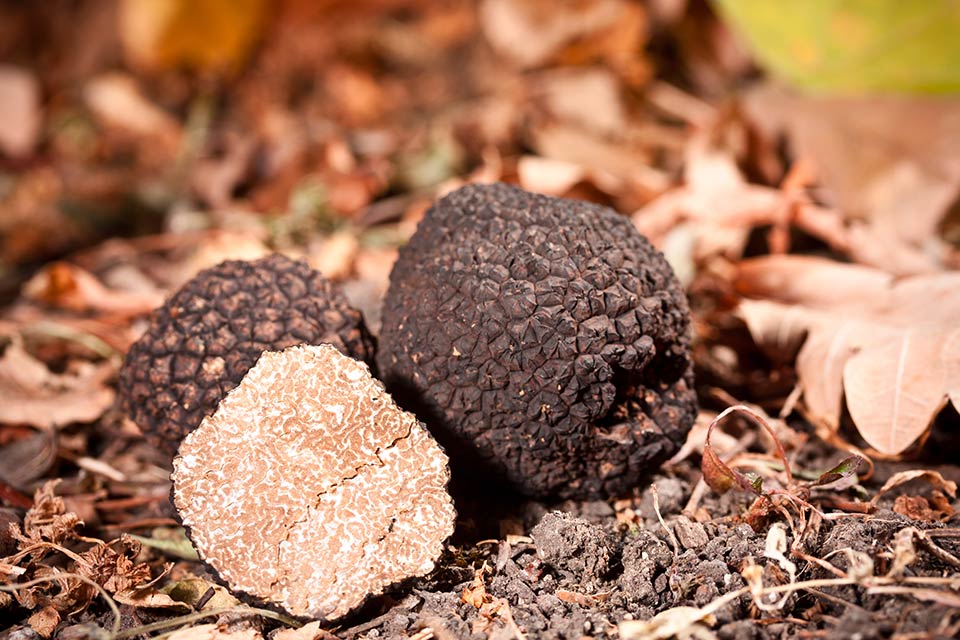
(656,509)
(200,615)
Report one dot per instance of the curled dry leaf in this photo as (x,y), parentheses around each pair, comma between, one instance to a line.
(891,348)
(531,32)
(48,520)
(677,622)
(44,621)
(32,394)
(67,286)
(933,477)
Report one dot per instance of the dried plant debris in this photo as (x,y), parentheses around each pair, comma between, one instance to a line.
(207,336)
(309,489)
(890,348)
(544,337)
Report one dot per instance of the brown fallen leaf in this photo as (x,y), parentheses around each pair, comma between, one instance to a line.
(919,508)
(20,115)
(891,160)
(44,621)
(67,286)
(116,102)
(47,520)
(722,208)
(214,632)
(530,32)
(113,565)
(544,175)
(309,631)
(889,347)
(151,599)
(32,394)
(567,143)
(27,458)
(934,478)
(589,98)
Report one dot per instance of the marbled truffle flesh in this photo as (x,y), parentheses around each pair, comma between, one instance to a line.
(541,339)
(203,340)
(309,489)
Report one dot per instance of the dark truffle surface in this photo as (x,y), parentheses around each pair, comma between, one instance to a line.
(202,341)
(542,339)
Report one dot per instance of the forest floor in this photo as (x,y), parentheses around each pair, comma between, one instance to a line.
(816,305)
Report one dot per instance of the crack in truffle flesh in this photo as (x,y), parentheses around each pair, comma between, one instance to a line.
(540,338)
(202,341)
(310,489)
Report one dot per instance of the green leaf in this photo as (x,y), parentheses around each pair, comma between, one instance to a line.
(854,46)
(847,467)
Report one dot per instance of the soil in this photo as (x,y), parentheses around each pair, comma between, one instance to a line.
(576,569)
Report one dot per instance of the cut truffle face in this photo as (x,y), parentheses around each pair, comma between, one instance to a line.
(310,489)
(541,338)
(203,340)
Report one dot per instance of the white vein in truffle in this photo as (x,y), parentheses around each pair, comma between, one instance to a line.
(310,489)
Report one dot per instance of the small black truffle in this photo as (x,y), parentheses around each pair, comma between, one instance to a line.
(202,341)
(540,338)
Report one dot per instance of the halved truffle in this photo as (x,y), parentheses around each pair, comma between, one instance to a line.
(541,338)
(203,340)
(310,489)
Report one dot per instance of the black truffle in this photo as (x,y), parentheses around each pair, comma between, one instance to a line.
(542,339)
(202,341)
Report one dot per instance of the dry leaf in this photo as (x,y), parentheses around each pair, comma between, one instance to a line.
(888,346)
(218,34)
(894,387)
(67,286)
(309,631)
(20,116)
(116,571)
(583,599)
(27,458)
(589,98)
(919,508)
(715,197)
(677,622)
(116,102)
(530,32)
(888,159)
(213,632)
(618,161)
(32,394)
(935,479)
(151,599)
(552,177)
(44,621)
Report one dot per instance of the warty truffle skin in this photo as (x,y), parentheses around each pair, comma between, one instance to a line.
(202,341)
(542,339)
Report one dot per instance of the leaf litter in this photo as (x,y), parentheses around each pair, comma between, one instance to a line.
(329,146)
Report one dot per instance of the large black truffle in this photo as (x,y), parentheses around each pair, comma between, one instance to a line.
(542,339)
(204,339)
